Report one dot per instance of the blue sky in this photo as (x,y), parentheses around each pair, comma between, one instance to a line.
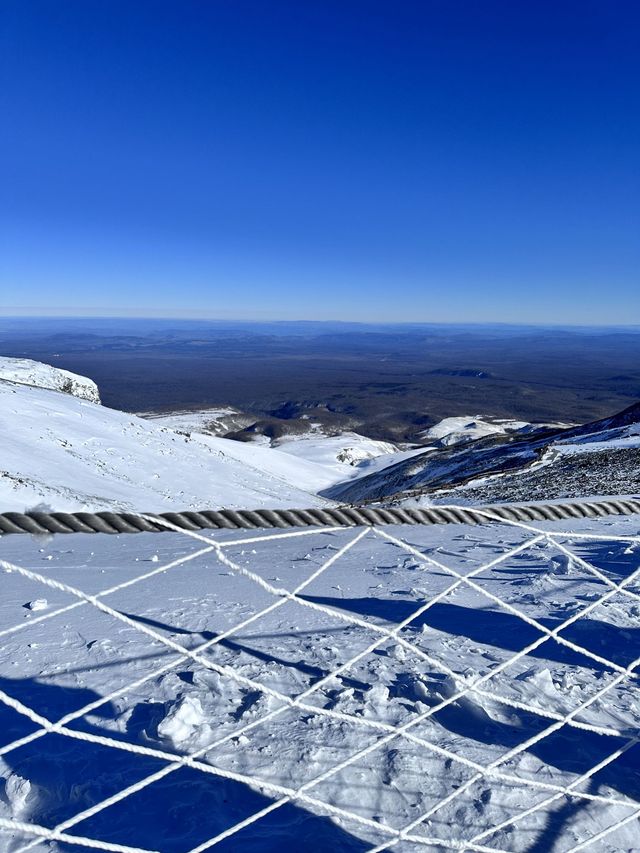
(433,161)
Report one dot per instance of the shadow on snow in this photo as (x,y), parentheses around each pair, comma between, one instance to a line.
(571,750)
(187,807)
(172,815)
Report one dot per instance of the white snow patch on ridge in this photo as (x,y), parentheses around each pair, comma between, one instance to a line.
(26,372)
(348,448)
(212,421)
(457,430)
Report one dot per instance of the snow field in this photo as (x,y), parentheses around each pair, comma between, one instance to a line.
(404,688)
(120,461)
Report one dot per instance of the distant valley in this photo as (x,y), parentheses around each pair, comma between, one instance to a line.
(304,414)
(64,450)
(389,383)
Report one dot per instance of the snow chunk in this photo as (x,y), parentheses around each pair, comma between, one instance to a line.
(561,564)
(19,793)
(184,725)
(540,690)
(37,604)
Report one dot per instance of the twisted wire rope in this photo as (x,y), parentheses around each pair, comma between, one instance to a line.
(329,516)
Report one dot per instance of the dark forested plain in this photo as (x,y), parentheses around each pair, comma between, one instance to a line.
(386,381)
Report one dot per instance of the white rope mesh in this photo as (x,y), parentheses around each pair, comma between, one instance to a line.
(376,734)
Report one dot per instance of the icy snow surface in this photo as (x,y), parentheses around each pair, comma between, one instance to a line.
(333,775)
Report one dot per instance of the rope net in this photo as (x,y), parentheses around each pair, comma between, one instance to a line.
(488,706)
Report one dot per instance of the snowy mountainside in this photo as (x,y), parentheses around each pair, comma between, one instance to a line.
(24,371)
(600,473)
(341,457)
(72,454)
(313,444)
(347,448)
(461,429)
(612,443)
(211,421)
(68,453)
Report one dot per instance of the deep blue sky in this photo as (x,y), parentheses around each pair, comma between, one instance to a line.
(435,161)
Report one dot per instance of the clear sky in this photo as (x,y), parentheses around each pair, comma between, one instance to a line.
(441,160)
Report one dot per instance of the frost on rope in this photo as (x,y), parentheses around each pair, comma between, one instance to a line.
(450,687)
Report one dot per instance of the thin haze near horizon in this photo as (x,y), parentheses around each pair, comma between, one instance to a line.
(430,161)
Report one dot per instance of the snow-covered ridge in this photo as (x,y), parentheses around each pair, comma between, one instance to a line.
(571,462)
(24,371)
(348,448)
(211,421)
(464,428)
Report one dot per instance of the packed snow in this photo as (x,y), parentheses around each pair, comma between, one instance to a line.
(330,772)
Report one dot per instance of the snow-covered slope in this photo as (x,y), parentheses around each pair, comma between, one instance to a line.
(71,454)
(613,444)
(34,373)
(348,448)
(212,421)
(67,453)
(339,458)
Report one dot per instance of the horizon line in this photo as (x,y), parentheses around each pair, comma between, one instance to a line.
(256,321)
